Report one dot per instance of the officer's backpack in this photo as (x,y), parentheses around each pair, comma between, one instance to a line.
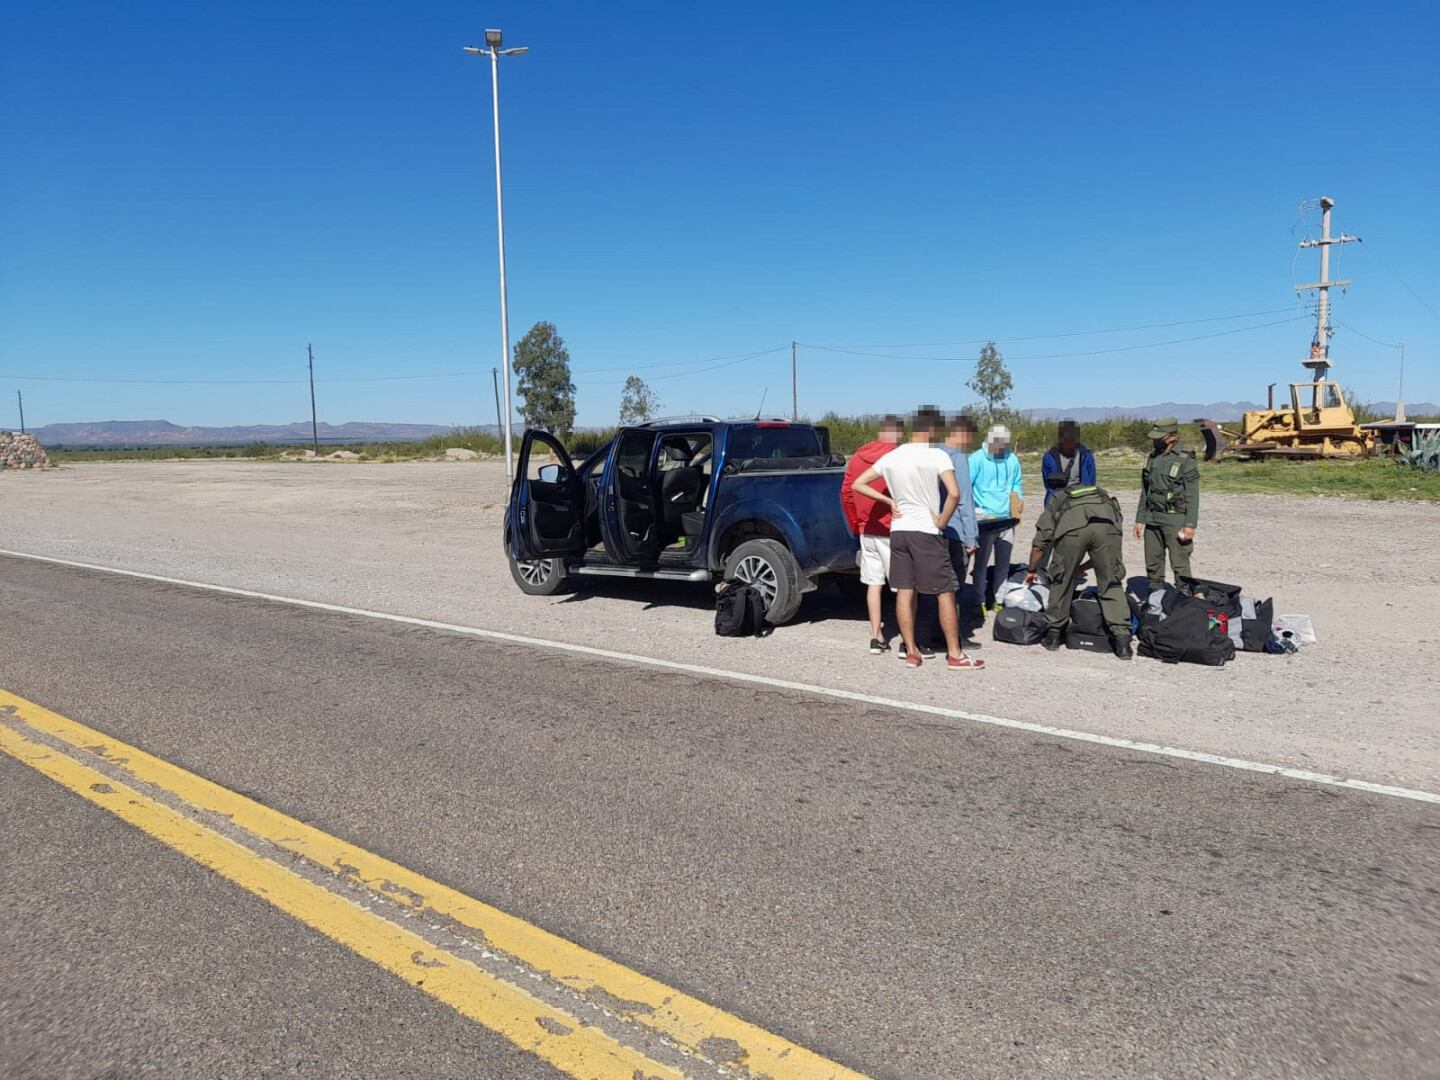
(1187,633)
(740,611)
(1016,626)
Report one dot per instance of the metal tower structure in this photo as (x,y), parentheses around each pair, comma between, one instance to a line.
(1319,361)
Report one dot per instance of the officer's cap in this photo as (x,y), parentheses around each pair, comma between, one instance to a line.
(1166,425)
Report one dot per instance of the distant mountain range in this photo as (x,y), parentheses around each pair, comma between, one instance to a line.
(1214,410)
(143,433)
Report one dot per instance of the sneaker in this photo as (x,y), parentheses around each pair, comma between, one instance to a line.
(963,663)
(911,660)
(923,649)
(878,647)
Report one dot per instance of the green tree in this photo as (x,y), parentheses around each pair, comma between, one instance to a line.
(992,382)
(638,402)
(542,364)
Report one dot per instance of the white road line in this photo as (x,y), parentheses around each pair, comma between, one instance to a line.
(782,684)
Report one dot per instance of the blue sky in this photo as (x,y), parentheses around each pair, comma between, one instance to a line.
(194,191)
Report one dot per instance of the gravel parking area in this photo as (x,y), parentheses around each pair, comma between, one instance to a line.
(423,539)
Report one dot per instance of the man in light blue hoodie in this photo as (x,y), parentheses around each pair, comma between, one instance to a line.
(994,479)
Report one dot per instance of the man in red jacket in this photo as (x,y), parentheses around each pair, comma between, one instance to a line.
(870,521)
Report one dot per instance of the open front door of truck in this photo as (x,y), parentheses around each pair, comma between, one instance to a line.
(547,502)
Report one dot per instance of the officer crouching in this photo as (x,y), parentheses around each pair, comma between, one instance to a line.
(1084,522)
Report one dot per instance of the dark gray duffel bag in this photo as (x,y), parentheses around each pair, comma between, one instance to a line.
(1018,627)
(1086,616)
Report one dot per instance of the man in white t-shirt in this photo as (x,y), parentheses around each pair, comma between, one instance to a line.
(919,554)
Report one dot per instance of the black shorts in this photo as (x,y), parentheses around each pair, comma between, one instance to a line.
(921,561)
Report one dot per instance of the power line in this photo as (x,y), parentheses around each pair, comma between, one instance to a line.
(677,363)
(733,357)
(1060,334)
(240,382)
(1367,337)
(1386,267)
(1061,355)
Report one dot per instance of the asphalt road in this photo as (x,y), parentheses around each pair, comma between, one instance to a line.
(907,895)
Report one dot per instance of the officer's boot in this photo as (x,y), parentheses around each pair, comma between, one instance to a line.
(1123,649)
(1052,639)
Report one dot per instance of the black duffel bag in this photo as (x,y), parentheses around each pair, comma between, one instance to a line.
(1085,614)
(1015,626)
(1188,635)
(1218,596)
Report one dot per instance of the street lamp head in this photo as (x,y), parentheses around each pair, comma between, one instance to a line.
(492,38)
(521,51)
(473,51)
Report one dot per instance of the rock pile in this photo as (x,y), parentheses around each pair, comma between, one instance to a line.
(22,452)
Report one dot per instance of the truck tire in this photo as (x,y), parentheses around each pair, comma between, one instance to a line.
(769,566)
(538,577)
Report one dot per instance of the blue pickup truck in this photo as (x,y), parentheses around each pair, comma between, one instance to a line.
(686,499)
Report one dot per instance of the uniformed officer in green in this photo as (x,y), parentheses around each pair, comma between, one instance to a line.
(1169,504)
(1084,522)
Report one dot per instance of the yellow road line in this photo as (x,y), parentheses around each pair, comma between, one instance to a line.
(529,1023)
(694,1026)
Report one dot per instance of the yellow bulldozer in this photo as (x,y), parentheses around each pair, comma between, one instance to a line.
(1317,423)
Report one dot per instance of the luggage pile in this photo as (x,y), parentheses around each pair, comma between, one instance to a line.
(1195,621)
(1203,622)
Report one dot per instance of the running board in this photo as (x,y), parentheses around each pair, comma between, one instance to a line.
(632,572)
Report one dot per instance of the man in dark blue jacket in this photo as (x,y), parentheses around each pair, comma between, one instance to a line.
(1069,463)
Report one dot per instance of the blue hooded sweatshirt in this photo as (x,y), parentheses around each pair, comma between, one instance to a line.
(992,479)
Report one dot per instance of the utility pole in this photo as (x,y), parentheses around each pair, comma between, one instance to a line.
(1400,394)
(21,399)
(794,386)
(314,427)
(1319,361)
(499,423)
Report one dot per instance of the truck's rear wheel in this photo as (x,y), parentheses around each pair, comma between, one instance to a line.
(769,567)
(538,577)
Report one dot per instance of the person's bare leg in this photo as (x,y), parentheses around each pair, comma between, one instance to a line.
(874,597)
(950,624)
(905,613)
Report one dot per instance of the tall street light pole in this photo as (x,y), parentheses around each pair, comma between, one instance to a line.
(492,49)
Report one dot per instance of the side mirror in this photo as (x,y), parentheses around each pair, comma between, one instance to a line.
(549,474)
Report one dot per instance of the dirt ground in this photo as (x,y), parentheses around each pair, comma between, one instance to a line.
(423,539)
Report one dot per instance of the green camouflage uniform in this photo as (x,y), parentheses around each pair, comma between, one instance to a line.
(1169,501)
(1085,521)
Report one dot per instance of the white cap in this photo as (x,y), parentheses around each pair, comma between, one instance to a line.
(998,433)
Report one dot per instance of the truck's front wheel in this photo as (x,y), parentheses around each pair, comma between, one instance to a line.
(538,577)
(769,567)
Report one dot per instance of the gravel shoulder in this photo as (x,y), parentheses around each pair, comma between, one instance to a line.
(423,539)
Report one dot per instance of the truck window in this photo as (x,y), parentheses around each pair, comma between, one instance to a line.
(774,442)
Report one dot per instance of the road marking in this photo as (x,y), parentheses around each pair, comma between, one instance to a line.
(586,1015)
(1328,779)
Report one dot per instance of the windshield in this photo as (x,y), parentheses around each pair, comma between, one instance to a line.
(774,442)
